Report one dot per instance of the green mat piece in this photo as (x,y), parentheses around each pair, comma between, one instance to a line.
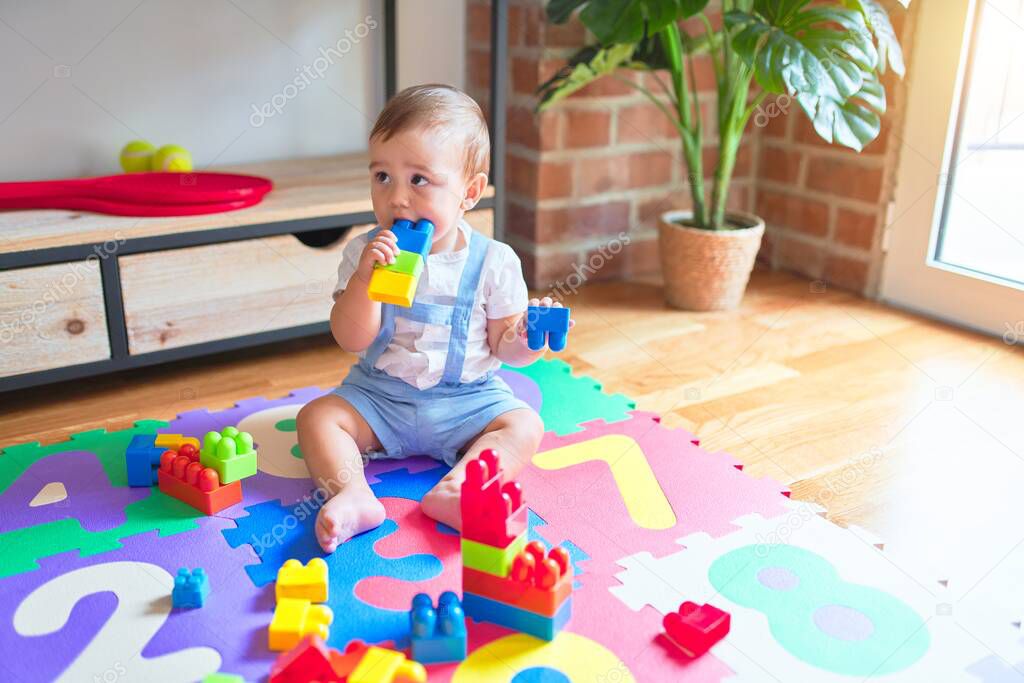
(569,400)
(109,447)
(21,548)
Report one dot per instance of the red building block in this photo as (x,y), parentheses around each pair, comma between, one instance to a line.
(183,477)
(538,583)
(493,513)
(695,628)
(310,660)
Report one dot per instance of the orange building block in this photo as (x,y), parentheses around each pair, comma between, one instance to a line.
(184,478)
(535,583)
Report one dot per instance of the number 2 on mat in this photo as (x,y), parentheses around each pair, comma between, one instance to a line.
(143,602)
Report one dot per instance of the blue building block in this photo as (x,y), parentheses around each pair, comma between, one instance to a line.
(437,635)
(416,238)
(190,588)
(551,322)
(142,460)
(480,608)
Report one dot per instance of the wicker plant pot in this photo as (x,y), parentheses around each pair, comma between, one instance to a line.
(707,270)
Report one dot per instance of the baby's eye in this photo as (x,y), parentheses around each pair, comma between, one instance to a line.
(417,178)
(381,177)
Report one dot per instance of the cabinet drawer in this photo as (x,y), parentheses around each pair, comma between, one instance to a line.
(188,296)
(51,316)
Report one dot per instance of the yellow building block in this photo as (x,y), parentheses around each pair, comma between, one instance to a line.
(380,665)
(390,287)
(175,441)
(307,582)
(295,619)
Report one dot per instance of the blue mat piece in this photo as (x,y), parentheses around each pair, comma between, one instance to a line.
(400,484)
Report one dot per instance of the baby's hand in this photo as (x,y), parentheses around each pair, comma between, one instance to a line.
(382,249)
(546,301)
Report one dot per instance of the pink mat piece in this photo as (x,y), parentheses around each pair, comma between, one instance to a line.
(416,533)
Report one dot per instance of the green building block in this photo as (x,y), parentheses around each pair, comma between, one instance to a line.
(407,262)
(230,452)
(223,678)
(486,558)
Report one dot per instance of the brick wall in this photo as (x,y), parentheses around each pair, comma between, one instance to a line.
(606,162)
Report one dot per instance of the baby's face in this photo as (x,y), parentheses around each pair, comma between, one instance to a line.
(419,174)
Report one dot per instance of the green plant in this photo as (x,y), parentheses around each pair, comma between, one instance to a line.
(827,56)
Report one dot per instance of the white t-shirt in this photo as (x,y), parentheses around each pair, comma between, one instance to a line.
(418,351)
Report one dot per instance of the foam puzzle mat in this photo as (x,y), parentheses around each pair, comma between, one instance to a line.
(648,516)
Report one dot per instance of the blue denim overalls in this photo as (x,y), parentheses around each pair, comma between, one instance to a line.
(439,420)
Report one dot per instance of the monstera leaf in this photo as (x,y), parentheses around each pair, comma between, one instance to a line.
(586,66)
(889,51)
(624,21)
(821,55)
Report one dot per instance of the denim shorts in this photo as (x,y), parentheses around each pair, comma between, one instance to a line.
(436,422)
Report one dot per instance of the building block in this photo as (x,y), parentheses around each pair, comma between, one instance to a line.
(294,619)
(190,588)
(407,262)
(307,582)
(485,558)
(230,453)
(381,665)
(390,287)
(695,628)
(536,583)
(310,660)
(547,324)
(493,512)
(439,635)
(181,476)
(415,238)
(175,441)
(142,460)
(223,678)
(480,608)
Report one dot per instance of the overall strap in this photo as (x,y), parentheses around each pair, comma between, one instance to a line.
(463,309)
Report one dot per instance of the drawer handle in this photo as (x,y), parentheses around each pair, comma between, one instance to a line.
(75,326)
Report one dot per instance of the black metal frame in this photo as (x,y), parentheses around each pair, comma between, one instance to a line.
(110,274)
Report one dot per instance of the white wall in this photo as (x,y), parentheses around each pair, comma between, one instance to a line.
(79,79)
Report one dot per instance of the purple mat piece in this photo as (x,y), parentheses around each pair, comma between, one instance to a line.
(233,622)
(91,500)
(523,387)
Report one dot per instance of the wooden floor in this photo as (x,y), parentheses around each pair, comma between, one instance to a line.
(906,427)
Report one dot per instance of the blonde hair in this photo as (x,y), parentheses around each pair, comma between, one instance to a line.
(433,106)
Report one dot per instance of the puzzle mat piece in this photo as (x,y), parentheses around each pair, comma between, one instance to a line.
(704,490)
(993,669)
(87,494)
(278,533)
(51,493)
(751,649)
(22,548)
(523,387)
(109,448)
(128,613)
(570,400)
(416,534)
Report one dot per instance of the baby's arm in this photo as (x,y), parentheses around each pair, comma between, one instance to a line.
(355,318)
(507,336)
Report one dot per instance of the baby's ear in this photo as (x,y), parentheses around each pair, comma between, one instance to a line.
(474,191)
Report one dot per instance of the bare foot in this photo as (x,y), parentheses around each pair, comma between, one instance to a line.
(442,503)
(352,511)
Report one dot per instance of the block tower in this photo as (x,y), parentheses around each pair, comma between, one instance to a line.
(506,580)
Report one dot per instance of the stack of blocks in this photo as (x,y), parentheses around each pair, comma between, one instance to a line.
(208,479)
(506,580)
(142,457)
(396,283)
(437,635)
(295,615)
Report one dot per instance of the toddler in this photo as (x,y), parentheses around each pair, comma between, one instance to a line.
(424,383)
